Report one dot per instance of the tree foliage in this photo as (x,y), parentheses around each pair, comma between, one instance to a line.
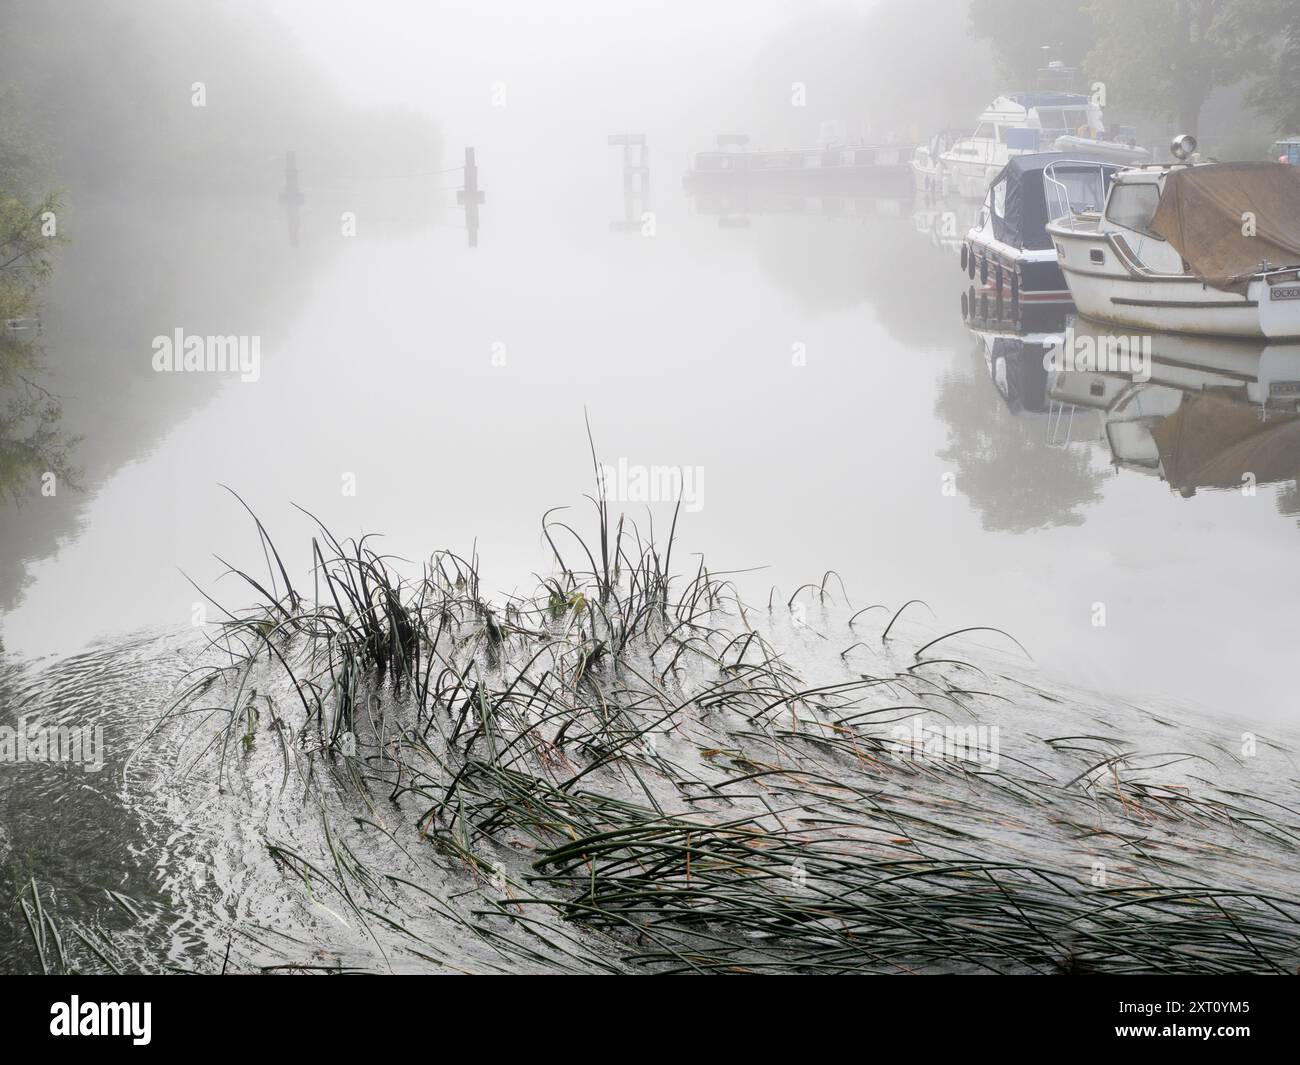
(1165,57)
(1019,30)
(1276,93)
(32,441)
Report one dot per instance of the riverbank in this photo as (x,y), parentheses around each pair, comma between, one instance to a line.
(633,771)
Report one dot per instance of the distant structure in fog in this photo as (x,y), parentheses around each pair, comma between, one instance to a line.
(636,179)
(291,196)
(470,197)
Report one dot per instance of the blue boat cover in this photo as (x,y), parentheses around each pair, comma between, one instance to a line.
(1020,208)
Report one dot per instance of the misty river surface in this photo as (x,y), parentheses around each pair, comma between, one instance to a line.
(812,365)
(377,360)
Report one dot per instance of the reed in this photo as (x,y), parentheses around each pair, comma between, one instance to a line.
(629,775)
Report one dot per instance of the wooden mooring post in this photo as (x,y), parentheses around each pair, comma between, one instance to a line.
(471,197)
(291,196)
(636,179)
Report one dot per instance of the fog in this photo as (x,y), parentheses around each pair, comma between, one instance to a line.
(447,350)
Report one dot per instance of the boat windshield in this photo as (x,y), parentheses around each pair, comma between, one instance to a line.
(1063,120)
(1075,187)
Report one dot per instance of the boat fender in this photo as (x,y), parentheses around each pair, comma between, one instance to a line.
(964,251)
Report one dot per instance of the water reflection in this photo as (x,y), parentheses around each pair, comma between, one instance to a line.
(1009,448)
(291,197)
(36,452)
(221,270)
(1195,413)
(1213,414)
(832,251)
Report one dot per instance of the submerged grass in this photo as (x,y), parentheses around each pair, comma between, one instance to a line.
(629,775)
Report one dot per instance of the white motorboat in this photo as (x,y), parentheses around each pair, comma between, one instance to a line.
(1203,248)
(930,176)
(1029,122)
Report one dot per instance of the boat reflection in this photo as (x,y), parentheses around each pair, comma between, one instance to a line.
(734,206)
(944,222)
(1012,454)
(1201,414)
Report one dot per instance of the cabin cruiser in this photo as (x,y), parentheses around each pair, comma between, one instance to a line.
(1203,248)
(1008,254)
(1026,123)
(929,175)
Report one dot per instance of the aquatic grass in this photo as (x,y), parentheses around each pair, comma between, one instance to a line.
(623,773)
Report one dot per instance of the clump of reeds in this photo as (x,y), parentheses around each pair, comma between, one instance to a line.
(635,777)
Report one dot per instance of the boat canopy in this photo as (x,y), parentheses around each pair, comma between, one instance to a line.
(1019,206)
(1225,219)
(1213,440)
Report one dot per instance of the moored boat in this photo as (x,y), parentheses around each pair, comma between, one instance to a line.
(1205,248)
(834,163)
(1008,254)
(930,177)
(1027,123)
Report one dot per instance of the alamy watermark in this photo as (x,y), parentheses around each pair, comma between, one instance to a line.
(179,353)
(629,483)
(1129,355)
(34,742)
(945,743)
(77,1018)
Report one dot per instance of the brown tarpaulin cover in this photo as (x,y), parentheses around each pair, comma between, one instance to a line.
(1202,211)
(1212,440)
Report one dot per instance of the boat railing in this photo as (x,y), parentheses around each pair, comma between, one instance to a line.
(1060,207)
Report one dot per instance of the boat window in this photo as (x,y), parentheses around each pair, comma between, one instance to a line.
(1070,190)
(1050,119)
(1002,134)
(1133,206)
(984,132)
(1000,199)
(1075,118)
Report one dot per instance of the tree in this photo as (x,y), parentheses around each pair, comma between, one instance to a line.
(1019,30)
(31,440)
(1276,95)
(1166,56)
(860,66)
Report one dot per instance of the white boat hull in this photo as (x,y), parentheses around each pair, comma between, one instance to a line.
(970,180)
(1115,290)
